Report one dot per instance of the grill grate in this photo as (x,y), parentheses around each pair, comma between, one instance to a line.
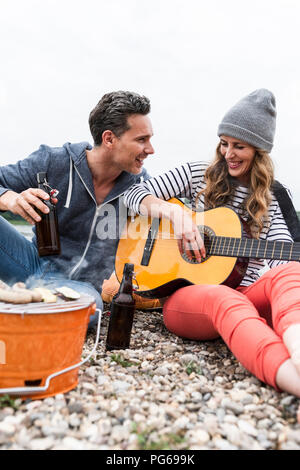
(42,308)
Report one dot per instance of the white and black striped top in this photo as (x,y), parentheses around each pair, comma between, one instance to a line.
(187,181)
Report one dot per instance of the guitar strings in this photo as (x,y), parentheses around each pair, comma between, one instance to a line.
(226,246)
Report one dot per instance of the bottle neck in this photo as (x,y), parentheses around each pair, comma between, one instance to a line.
(126,284)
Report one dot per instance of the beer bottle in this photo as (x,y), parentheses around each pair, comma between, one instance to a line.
(121,313)
(47,234)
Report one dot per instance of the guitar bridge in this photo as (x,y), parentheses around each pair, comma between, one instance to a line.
(149,245)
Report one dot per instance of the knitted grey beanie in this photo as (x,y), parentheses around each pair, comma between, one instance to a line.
(252,120)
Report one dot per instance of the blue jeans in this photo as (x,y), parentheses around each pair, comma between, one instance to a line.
(20,262)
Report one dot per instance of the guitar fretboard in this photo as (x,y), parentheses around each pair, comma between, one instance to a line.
(253,248)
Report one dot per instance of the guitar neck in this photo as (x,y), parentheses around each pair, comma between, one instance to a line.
(253,248)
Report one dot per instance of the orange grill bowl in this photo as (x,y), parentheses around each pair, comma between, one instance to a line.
(38,340)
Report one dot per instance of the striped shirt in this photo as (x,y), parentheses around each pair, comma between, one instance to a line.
(186,181)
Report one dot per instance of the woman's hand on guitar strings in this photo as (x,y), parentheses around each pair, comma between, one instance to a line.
(185,230)
(188,235)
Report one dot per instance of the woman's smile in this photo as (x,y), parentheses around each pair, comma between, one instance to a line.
(239,157)
(234,165)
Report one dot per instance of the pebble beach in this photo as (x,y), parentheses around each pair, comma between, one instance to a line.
(164,393)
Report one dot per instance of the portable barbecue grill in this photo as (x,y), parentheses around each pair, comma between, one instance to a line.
(41,346)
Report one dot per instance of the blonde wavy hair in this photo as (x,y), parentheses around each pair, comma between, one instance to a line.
(220,188)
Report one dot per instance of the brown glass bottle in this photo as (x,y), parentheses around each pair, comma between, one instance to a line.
(47,234)
(121,313)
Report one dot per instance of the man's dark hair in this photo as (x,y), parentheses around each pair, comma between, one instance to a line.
(112,111)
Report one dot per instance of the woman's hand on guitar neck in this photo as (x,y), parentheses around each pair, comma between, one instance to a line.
(185,230)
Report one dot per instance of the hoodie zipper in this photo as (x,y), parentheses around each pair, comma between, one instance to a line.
(92,227)
(90,236)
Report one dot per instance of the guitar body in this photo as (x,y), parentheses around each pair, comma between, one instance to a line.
(159,265)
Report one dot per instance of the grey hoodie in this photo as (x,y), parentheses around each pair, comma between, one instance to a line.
(86,254)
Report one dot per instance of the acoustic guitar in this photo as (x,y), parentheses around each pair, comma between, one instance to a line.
(162,266)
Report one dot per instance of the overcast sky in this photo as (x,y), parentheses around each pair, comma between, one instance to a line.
(194,59)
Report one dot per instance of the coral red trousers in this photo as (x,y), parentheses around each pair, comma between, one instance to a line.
(251,320)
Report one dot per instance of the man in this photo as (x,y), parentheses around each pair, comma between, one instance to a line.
(89,180)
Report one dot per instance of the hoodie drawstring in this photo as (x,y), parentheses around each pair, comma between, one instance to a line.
(70,188)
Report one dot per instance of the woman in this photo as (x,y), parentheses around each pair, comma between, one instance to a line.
(240,177)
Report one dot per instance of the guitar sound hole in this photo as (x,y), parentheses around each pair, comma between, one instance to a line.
(206,233)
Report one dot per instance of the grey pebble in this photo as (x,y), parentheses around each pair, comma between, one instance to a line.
(75,408)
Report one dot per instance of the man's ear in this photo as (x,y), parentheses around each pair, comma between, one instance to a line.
(108,138)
